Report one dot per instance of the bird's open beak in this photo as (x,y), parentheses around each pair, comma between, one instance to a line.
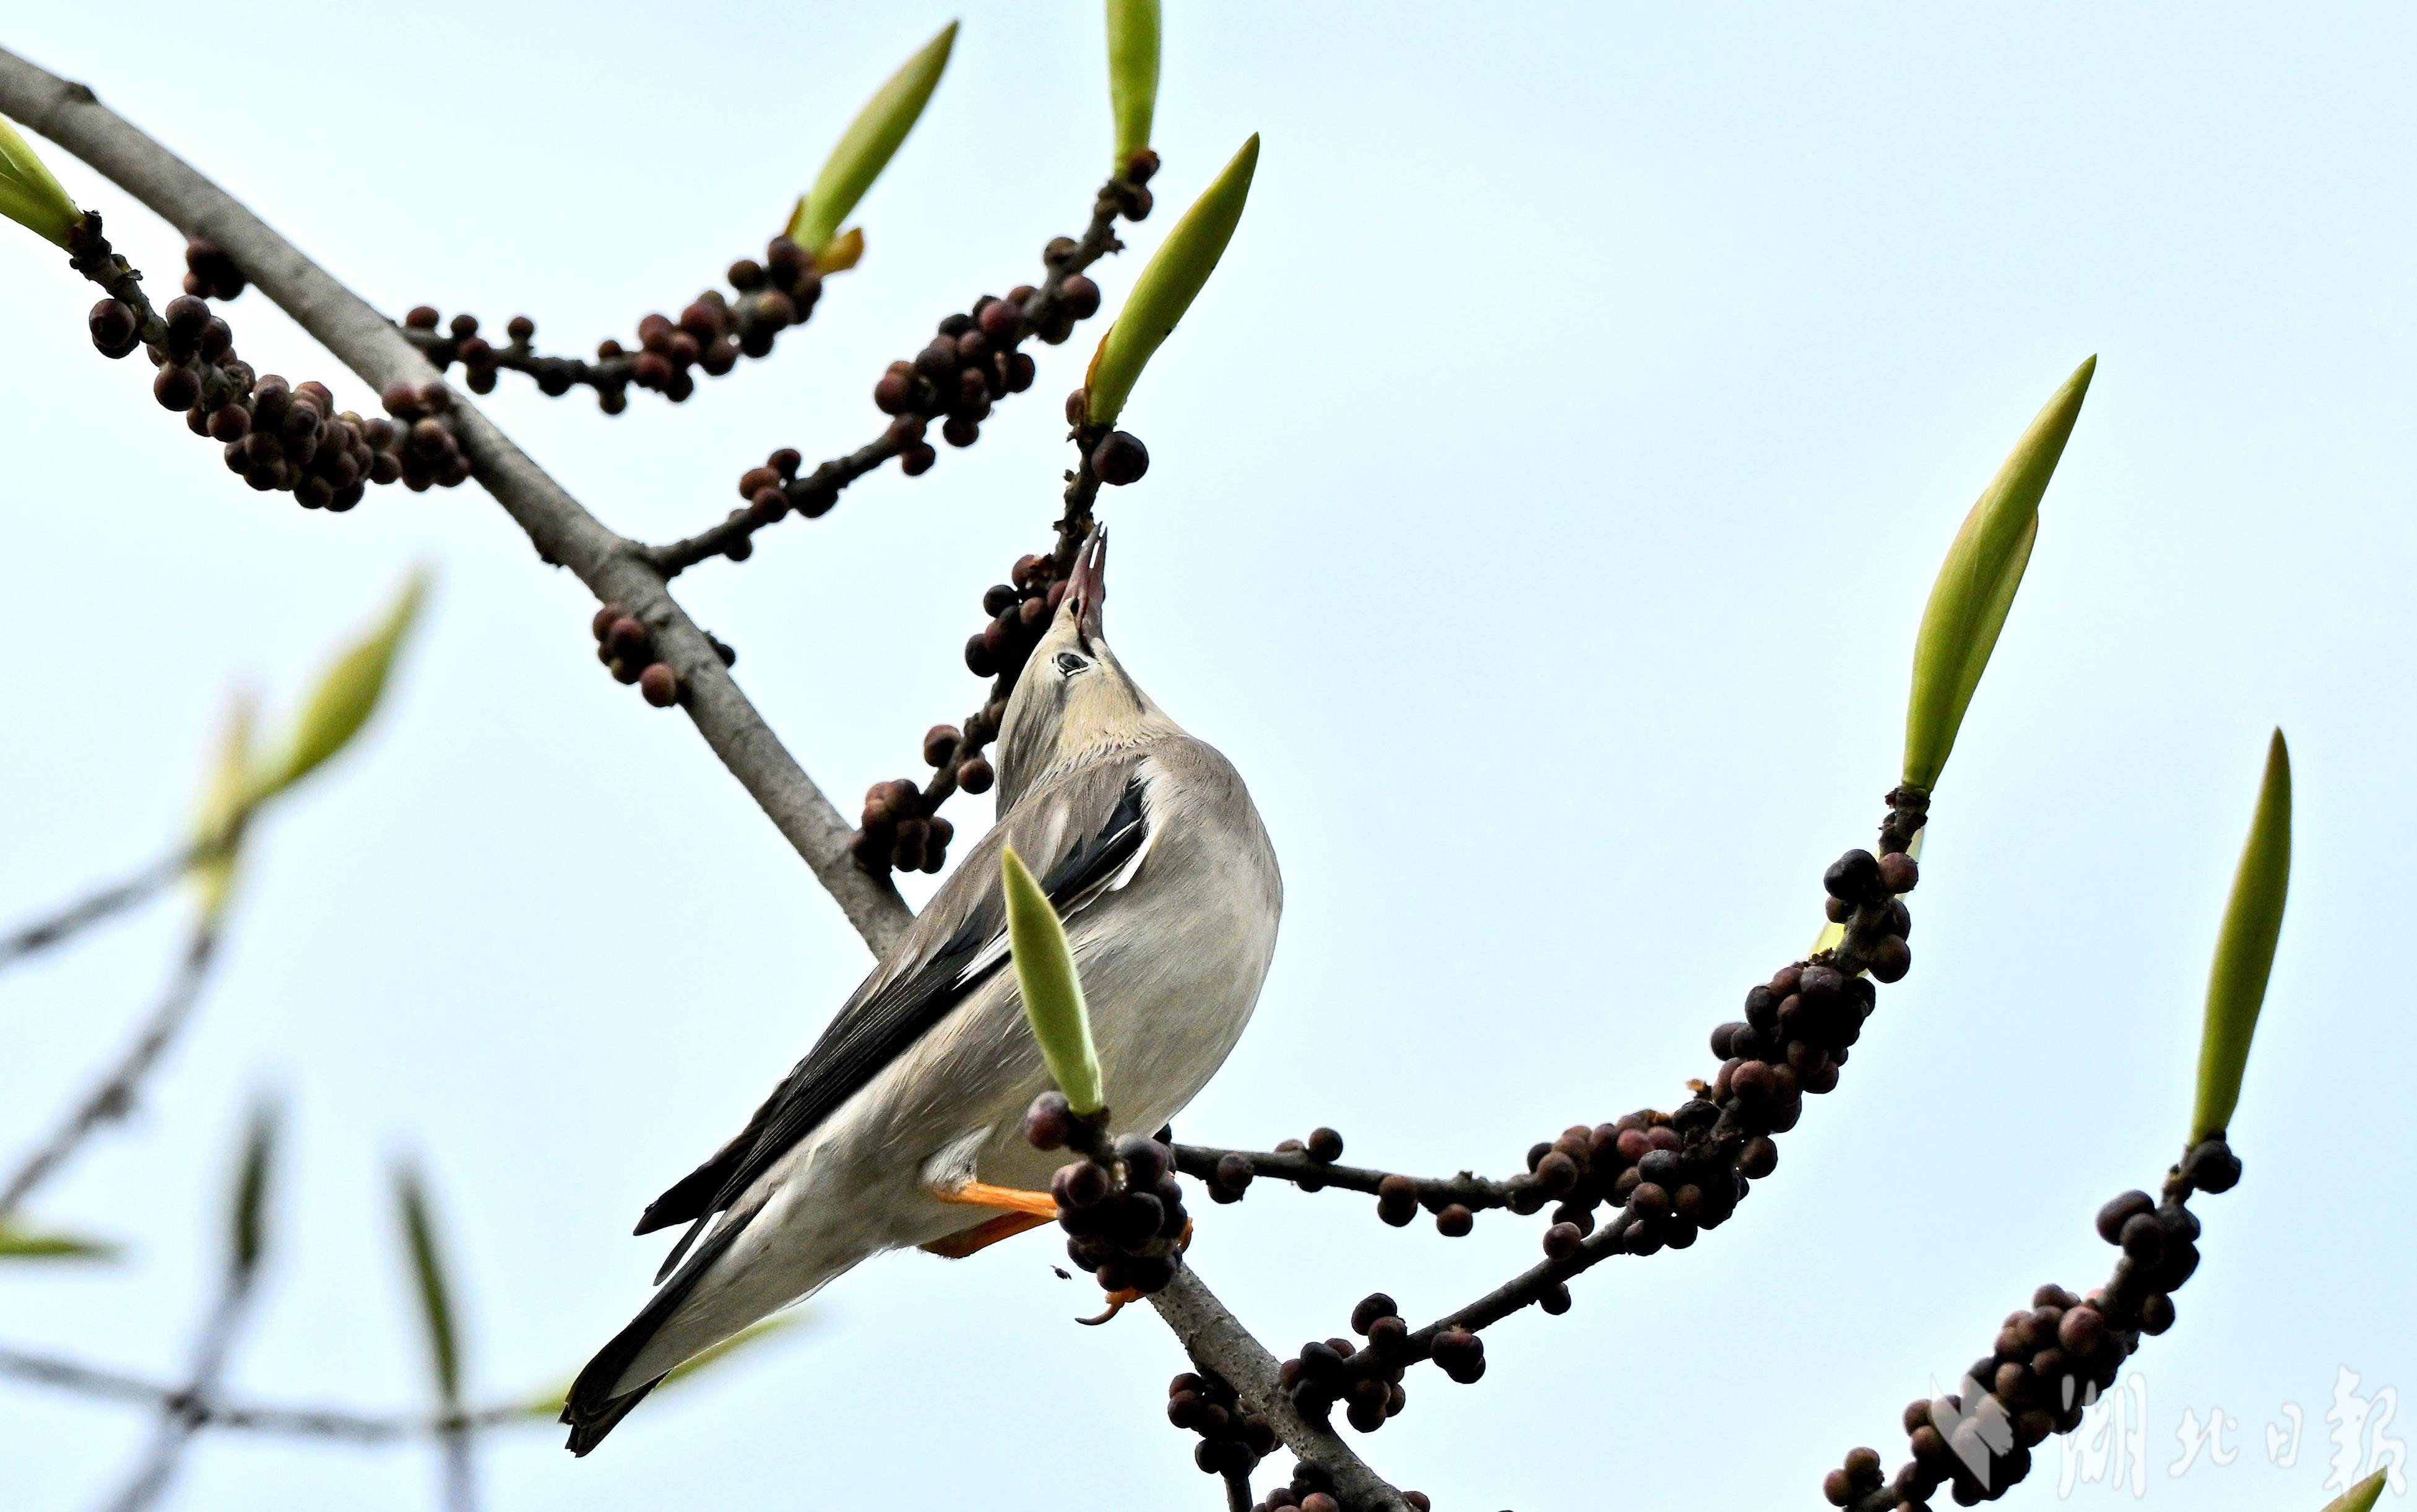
(1087,588)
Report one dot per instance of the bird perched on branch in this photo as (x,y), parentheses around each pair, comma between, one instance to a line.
(903,1126)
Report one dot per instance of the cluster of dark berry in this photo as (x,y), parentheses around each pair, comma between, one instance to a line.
(1232,1440)
(970,362)
(1120,1205)
(1672,1176)
(901,827)
(771,491)
(276,435)
(1860,883)
(429,455)
(1313,1491)
(1019,614)
(711,334)
(209,272)
(899,831)
(625,647)
(1369,1382)
(1133,201)
(2050,1360)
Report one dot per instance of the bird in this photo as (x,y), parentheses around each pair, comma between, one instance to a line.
(903,1126)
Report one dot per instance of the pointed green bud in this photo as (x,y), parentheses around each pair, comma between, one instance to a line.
(29,195)
(870,139)
(1132,74)
(428,1274)
(347,695)
(1976,585)
(248,1229)
(1168,285)
(2244,949)
(226,803)
(2363,1496)
(27,1244)
(1053,993)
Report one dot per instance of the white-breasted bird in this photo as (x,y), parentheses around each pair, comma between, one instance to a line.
(905,1119)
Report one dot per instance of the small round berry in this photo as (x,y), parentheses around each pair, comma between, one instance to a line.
(1454,1221)
(1460,1354)
(2120,1211)
(2212,1167)
(1049,1121)
(1120,459)
(176,388)
(659,685)
(114,329)
(1374,1305)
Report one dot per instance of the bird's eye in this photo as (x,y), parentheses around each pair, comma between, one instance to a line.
(1069,663)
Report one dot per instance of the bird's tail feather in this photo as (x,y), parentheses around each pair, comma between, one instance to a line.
(595,1405)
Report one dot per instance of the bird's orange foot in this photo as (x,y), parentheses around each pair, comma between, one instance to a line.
(982,1235)
(1018,1211)
(1006,1199)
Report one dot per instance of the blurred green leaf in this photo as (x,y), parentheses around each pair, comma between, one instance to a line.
(29,195)
(546,1406)
(248,1232)
(26,1244)
(866,148)
(1132,74)
(1053,993)
(1167,286)
(1976,585)
(436,1298)
(2361,1497)
(226,802)
(347,695)
(2244,949)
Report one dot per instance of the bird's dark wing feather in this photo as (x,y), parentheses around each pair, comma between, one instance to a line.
(927,977)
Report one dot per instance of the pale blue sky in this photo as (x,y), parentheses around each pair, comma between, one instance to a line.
(1544,496)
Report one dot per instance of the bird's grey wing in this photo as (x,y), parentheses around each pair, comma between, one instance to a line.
(1079,836)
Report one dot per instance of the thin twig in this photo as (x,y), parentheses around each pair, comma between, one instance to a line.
(1306,1172)
(114,1095)
(616,569)
(114,899)
(461,1468)
(178,1421)
(254,1417)
(812,494)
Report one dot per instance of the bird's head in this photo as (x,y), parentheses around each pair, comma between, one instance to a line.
(1074,700)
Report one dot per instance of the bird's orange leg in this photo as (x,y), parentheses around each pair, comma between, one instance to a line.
(1006,1199)
(982,1235)
(1019,1211)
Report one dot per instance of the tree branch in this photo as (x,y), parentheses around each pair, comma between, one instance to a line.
(208,1411)
(114,1094)
(921,392)
(108,901)
(614,568)
(1218,1342)
(178,1421)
